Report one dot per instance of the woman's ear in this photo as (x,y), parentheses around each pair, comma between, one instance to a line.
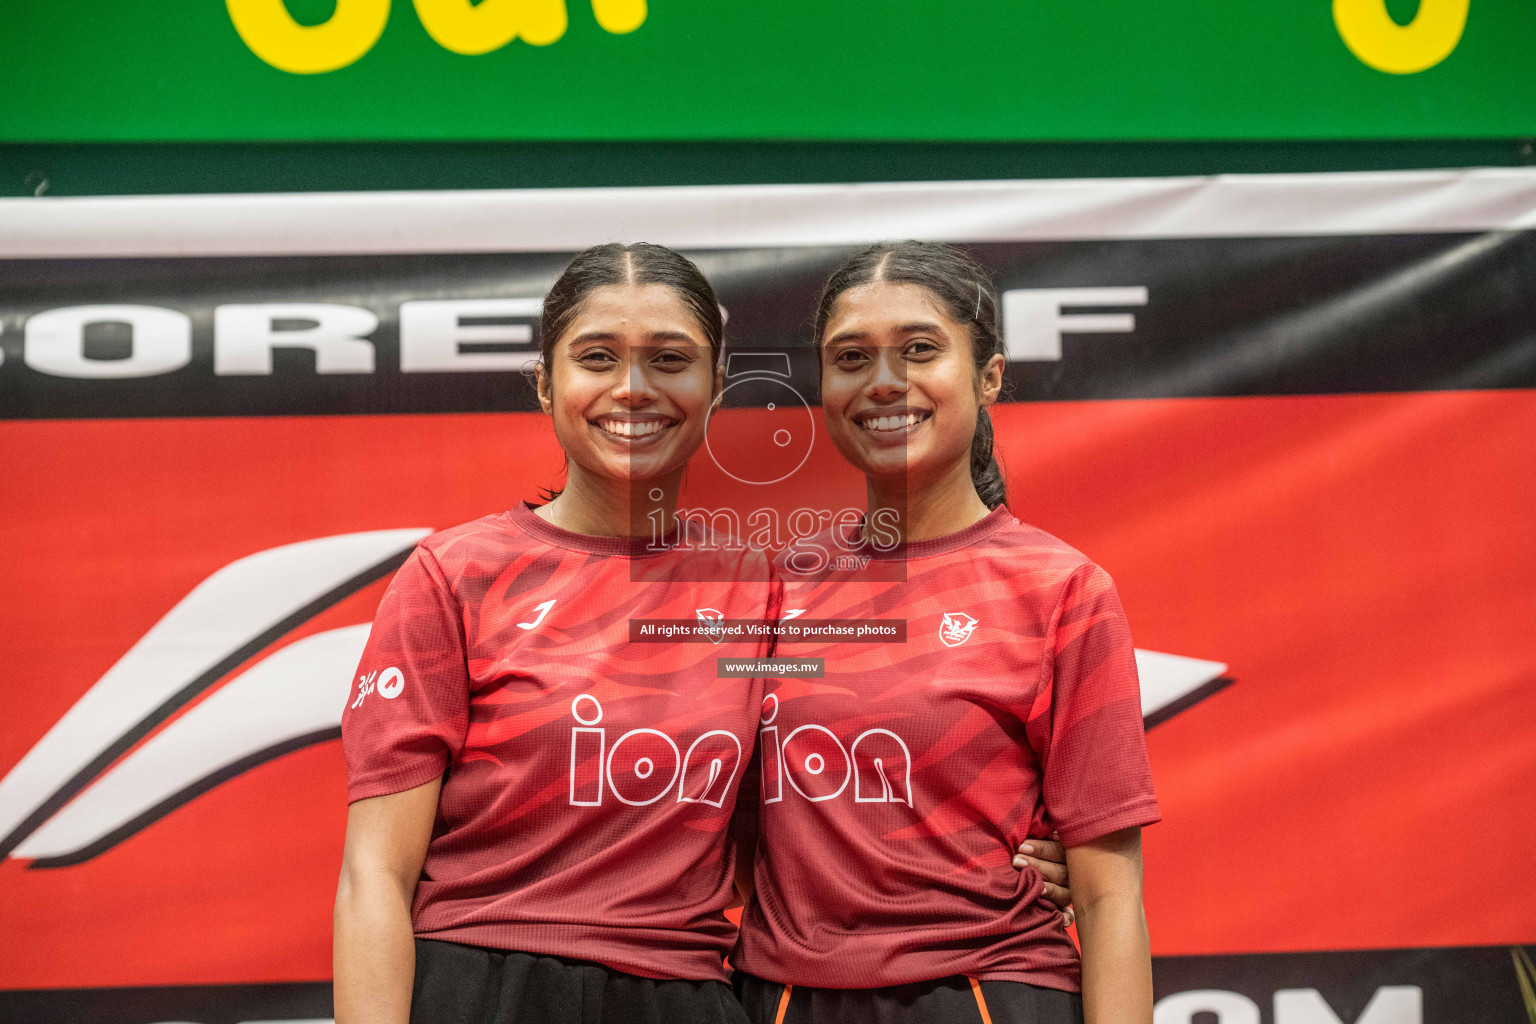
(545,389)
(992,380)
(714,405)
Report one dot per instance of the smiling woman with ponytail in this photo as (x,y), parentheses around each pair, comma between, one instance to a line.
(961,288)
(1010,709)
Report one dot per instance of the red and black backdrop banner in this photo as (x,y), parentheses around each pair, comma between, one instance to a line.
(1293,416)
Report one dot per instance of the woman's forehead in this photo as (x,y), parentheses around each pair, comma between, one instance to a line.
(635,300)
(889,300)
(636,312)
(885,306)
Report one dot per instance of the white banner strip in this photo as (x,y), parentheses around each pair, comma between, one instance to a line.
(738,216)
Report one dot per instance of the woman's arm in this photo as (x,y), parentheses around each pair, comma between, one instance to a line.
(374,956)
(1117,956)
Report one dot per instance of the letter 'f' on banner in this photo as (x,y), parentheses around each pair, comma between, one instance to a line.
(1034,321)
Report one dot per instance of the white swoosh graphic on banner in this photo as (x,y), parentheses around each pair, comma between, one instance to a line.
(300,690)
(227,611)
(297,692)
(1167,677)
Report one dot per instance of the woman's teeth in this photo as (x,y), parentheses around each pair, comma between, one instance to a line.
(891,422)
(631,428)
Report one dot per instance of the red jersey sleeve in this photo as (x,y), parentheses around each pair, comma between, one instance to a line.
(408,711)
(1086,721)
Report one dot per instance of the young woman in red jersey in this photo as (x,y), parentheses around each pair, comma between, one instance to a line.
(896,789)
(539,805)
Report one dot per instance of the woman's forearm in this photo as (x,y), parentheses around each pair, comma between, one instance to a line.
(1117,960)
(374,956)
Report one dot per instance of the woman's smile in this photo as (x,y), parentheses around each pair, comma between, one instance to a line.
(891,425)
(633,430)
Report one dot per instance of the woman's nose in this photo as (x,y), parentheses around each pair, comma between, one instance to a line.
(634,386)
(890,377)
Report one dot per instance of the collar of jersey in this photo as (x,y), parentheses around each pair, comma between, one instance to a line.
(977,531)
(524,518)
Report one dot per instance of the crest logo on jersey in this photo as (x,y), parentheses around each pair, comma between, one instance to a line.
(711,623)
(956,628)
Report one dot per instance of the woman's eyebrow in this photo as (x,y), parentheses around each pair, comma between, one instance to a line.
(586,336)
(916,327)
(673,336)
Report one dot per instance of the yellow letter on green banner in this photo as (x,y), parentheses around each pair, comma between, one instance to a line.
(471,29)
(619,16)
(272,34)
(1372,35)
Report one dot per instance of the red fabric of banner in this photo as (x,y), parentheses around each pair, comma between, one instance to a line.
(1363,563)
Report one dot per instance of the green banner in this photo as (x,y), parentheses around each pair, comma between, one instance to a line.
(97,70)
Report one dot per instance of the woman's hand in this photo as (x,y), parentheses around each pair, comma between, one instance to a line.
(1048,857)
(374,951)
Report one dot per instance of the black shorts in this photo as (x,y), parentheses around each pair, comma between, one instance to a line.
(957,1000)
(457,984)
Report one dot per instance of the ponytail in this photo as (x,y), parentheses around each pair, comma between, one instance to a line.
(986,474)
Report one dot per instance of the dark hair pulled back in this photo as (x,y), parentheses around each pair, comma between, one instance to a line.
(638,263)
(965,291)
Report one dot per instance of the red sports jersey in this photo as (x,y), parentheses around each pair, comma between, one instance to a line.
(896,789)
(587,781)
